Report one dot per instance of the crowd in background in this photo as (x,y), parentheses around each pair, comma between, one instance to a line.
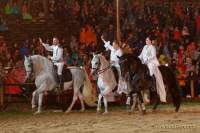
(174,25)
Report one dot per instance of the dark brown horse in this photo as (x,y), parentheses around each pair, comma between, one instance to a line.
(140,79)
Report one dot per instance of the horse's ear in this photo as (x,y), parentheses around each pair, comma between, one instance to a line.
(93,54)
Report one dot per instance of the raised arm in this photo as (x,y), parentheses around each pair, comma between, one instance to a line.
(107,44)
(46,46)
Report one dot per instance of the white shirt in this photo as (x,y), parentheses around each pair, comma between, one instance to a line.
(57,52)
(114,53)
(148,55)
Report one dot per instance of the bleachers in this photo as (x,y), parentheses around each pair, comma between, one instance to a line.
(20,30)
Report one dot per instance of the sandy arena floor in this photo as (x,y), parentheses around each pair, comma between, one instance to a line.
(117,121)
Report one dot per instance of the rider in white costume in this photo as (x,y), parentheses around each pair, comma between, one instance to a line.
(57,57)
(116,52)
(148,57)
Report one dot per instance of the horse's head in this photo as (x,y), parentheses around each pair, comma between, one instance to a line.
(95,64)
(28,66)
(128,63)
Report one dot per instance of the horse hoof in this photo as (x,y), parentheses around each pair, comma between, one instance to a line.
(143,112)
(177,108)
(129,112)
(67,112)
(33,106)
(82,110)
(37,113)
(98,111)
(105,113)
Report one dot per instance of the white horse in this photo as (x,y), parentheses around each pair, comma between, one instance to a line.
(106,80)
(43,71)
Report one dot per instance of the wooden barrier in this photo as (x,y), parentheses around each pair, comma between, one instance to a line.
(2,86)
(1,96)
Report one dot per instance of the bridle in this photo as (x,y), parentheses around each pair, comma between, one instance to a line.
(30,66)
(106,68)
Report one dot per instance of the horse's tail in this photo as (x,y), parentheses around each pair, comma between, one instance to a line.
(176,93)
(88,95)
(173,87)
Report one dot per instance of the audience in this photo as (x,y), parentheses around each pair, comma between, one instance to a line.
(175,27)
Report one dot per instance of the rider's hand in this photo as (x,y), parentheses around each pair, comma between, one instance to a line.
(102,38)
(40,40)
(49,57)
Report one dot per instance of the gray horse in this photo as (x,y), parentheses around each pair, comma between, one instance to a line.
(106,80)
(45,80)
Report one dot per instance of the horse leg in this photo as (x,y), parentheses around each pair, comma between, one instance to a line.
(128,102)
(105,105)
(157,100)
(40,103)
(146,96)
(134,102)
(40,93)
(99,103)
(141,102)
(80,96)
(33,100)
(72,104)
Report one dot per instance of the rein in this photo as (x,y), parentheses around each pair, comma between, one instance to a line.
(108,67)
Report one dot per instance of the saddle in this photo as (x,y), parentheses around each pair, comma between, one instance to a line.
(66,74)
(116,76)
(149,78)
(115,73)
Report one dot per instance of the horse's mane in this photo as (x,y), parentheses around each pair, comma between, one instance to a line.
(106,74)
(132,58)
(103,60)
(41,63)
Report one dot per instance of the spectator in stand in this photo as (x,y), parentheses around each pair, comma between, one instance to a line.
(25,14)
(3,26)
(2,73)
(3,48)
(191,48)
(8,9)
(197,19)
(75,9)
(74,43)
(24,50)
(15,8)
(15,76)
(177,34)
(181,75)
(68,57)
(181,55)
